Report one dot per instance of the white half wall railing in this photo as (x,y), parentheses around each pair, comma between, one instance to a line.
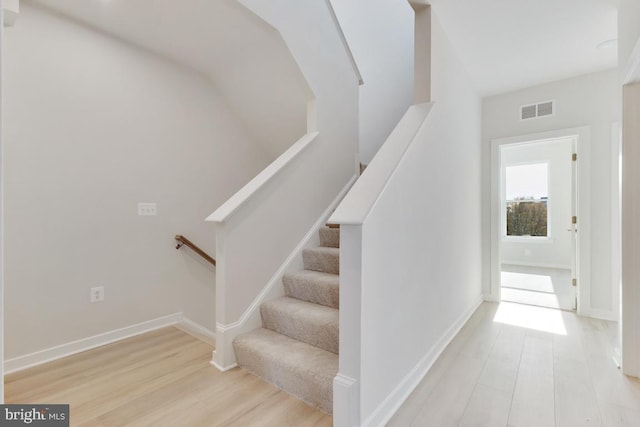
(260,234)
(395,319)
(253,239)
(352,215)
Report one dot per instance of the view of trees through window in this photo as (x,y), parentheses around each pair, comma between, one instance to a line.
(526,200)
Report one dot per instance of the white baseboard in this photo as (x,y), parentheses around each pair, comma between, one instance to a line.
(219,367)
(490,298)
(538,264)
(597,313)
(198,331)
(47,355)
(346,394)
(396,398)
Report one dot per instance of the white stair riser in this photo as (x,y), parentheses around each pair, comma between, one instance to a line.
(330,237)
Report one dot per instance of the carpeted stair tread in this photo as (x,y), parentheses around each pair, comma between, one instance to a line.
(322,259)
(296,349)
(304,321)
(298,368)
(313,286)
(329,237)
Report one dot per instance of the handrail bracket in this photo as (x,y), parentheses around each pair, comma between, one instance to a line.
(183,241)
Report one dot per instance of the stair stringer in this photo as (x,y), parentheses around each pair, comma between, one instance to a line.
(224,357)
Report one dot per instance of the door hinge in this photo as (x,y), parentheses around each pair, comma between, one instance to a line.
(574,219)
(574,282)
(574,156)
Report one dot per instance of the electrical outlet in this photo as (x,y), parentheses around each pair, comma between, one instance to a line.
(147,209)
(96,294)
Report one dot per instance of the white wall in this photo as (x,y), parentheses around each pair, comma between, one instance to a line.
(591,100)
(1,205)
(94,126)
(628,28)
(555,250)
(630,319)
(245,57)
(414,260)
(380,34)
(629,61)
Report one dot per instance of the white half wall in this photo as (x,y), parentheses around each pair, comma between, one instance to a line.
(410,248)
(381,36)
(94,126)
(555,250)
(592,100)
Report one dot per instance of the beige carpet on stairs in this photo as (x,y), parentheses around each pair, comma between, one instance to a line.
(297,347)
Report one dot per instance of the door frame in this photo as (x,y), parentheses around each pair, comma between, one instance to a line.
(616,232)
(582,148)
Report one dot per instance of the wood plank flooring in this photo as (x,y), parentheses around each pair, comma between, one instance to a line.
(545,287)
(162,378)
(511,365)
(516,365)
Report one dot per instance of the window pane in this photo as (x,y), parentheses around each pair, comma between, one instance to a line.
(526,196)
(528,182)
(527,218)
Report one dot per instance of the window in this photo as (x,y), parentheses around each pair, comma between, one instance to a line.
(527,194)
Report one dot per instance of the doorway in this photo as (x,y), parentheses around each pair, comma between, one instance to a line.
(535,235)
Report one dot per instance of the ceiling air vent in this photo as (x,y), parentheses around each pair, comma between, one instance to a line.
(541,109)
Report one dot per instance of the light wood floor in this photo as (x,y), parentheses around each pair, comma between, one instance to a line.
(545,287)
(511,365)
(162,378)
(541,367)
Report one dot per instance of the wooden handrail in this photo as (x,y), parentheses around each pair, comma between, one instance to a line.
(183,241)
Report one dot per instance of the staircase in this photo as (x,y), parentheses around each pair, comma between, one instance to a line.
(297,347)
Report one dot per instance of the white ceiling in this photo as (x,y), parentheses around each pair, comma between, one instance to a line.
(193,32)
(511,44)
(504,44)
(245,58)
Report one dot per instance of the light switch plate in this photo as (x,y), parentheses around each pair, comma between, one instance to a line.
(147,209)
